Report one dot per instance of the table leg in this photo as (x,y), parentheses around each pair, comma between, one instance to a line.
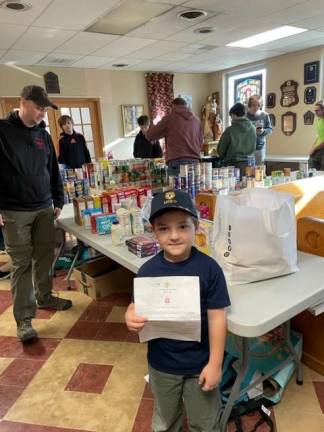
(78,253)
(296,359)
(236,387)
(60,250)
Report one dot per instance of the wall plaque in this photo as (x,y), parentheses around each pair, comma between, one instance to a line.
(289,96)
(271,100)
(51,83)
(309,118)
(311,72)
(310,95)
(288,123)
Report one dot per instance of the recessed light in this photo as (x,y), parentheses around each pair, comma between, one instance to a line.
(191,15)
(119,65)
(204,30)
(16,5)
(268,36)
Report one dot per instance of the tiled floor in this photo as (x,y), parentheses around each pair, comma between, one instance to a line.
(86,371)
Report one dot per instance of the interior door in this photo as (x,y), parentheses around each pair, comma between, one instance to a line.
(84,112)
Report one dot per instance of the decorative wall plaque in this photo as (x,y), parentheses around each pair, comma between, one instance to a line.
(311,72)
(288,123)
(289,96)
(271,100)
(51,83)
(309,118)
(272,118)
(310,95)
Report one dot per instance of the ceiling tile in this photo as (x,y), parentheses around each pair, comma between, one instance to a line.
(120,60)
(123,46)
(91,62)
(26,17)
(85,43)
(9,33)
(172,2)
(312,23)
(41,39)
(301,11)
(22,57)
(148,65)
(73,14)
(157,49)
(174,56)
(165,25)
(59,59)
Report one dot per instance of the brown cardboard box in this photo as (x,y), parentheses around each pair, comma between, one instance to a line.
(102,277)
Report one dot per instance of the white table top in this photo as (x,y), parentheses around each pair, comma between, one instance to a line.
(286,158)
(257,307)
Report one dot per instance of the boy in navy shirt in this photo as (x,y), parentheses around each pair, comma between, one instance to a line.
(73,150)
(183,372)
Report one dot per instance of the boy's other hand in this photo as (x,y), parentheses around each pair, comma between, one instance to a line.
(134,323)
(210,377)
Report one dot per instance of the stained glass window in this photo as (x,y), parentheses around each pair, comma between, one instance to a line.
(246,87)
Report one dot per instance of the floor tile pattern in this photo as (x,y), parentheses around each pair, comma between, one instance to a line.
(85,374)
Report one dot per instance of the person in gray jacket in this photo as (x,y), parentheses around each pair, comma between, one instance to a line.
(262,124)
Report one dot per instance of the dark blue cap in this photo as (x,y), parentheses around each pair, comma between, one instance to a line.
(172,200)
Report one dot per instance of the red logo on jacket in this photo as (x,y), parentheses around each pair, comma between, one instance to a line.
(40,143)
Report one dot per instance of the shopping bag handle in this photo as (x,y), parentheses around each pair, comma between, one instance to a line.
(267,220)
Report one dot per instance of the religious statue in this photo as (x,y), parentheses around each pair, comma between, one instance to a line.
(212,124)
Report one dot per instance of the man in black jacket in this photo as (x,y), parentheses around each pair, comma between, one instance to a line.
(31,197)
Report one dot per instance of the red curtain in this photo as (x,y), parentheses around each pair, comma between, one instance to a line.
(160,94)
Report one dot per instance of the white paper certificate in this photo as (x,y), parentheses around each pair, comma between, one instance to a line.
(171,305)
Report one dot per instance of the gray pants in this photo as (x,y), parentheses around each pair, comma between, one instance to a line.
(260,156)
(174,165)
(29,240)
(171,392)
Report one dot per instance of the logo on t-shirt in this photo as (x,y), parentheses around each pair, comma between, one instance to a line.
(40,144)
(73,141)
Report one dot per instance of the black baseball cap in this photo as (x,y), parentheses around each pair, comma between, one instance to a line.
(38,95)
(172,200)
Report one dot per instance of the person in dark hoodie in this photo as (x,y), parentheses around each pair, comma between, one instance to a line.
(73,150)
(31,197)
(142,147)
(183,135)
(238,140)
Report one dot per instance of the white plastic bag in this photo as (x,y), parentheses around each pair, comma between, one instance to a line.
(255,235)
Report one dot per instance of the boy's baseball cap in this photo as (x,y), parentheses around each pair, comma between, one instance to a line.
(172,199)
(38,95)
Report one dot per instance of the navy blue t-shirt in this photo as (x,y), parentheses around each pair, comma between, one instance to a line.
(183,357)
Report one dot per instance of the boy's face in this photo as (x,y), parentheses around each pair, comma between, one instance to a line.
(68,127)
(144,127)
(175,231)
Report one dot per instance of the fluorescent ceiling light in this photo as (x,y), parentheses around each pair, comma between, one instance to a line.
(268,36)
(127,16)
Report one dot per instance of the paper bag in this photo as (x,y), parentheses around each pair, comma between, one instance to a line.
(255,235)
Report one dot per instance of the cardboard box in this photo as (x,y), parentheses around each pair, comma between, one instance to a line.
(102,277)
